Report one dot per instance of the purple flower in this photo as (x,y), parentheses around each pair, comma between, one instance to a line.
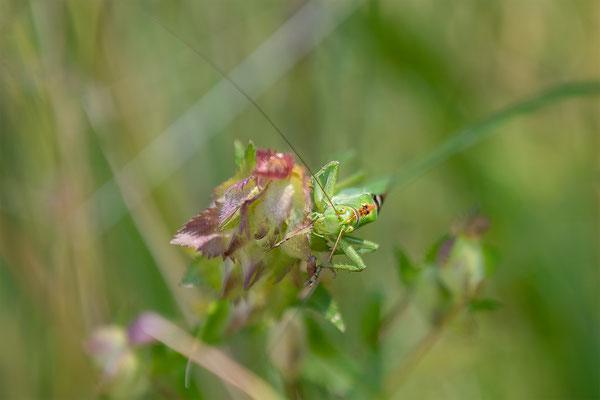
(137,331)
(272,165)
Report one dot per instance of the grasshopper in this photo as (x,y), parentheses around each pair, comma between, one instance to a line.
(336,215)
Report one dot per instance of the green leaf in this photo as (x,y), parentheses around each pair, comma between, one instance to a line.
(322,302)
(333,315)
(432,254)
(239,152)
(409,274)
(216,322)
(328,365)
(484,304)
(317,339)
(245,159)
(371,320)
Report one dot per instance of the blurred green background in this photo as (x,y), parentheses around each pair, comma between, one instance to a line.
(89,197)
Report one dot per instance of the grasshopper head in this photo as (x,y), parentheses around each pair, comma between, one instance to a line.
(354,210)
(346,220)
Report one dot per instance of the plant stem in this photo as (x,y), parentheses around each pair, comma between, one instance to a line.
(208,357)
(396,377)
(483,129)
(394,315)
(350,181)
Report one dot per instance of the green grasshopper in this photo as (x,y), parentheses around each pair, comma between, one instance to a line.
(336,216)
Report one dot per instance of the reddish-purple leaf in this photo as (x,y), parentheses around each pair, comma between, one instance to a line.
(215,246)
(253,274)
(244,225)
(200,233)
(250,258)
(240,185)
(237,241)
(234,198)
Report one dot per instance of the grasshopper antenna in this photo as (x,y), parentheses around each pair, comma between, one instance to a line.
(253,102)
(305,295)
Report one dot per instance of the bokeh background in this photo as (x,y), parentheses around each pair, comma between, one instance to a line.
(113,132)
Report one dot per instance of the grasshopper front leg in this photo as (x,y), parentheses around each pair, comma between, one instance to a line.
(327,177)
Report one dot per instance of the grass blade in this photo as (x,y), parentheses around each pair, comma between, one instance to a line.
(483,129)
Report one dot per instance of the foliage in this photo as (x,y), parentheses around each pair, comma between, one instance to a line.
(255,210)
(113,133)
(257,231)
(259,217)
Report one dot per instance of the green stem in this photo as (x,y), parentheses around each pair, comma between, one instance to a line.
(352,180)
(483,129)
(417,353)
(393,316)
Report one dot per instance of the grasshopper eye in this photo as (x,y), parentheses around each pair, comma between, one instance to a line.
(342,210)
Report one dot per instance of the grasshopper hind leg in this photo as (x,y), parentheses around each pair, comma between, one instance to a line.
(351,247)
